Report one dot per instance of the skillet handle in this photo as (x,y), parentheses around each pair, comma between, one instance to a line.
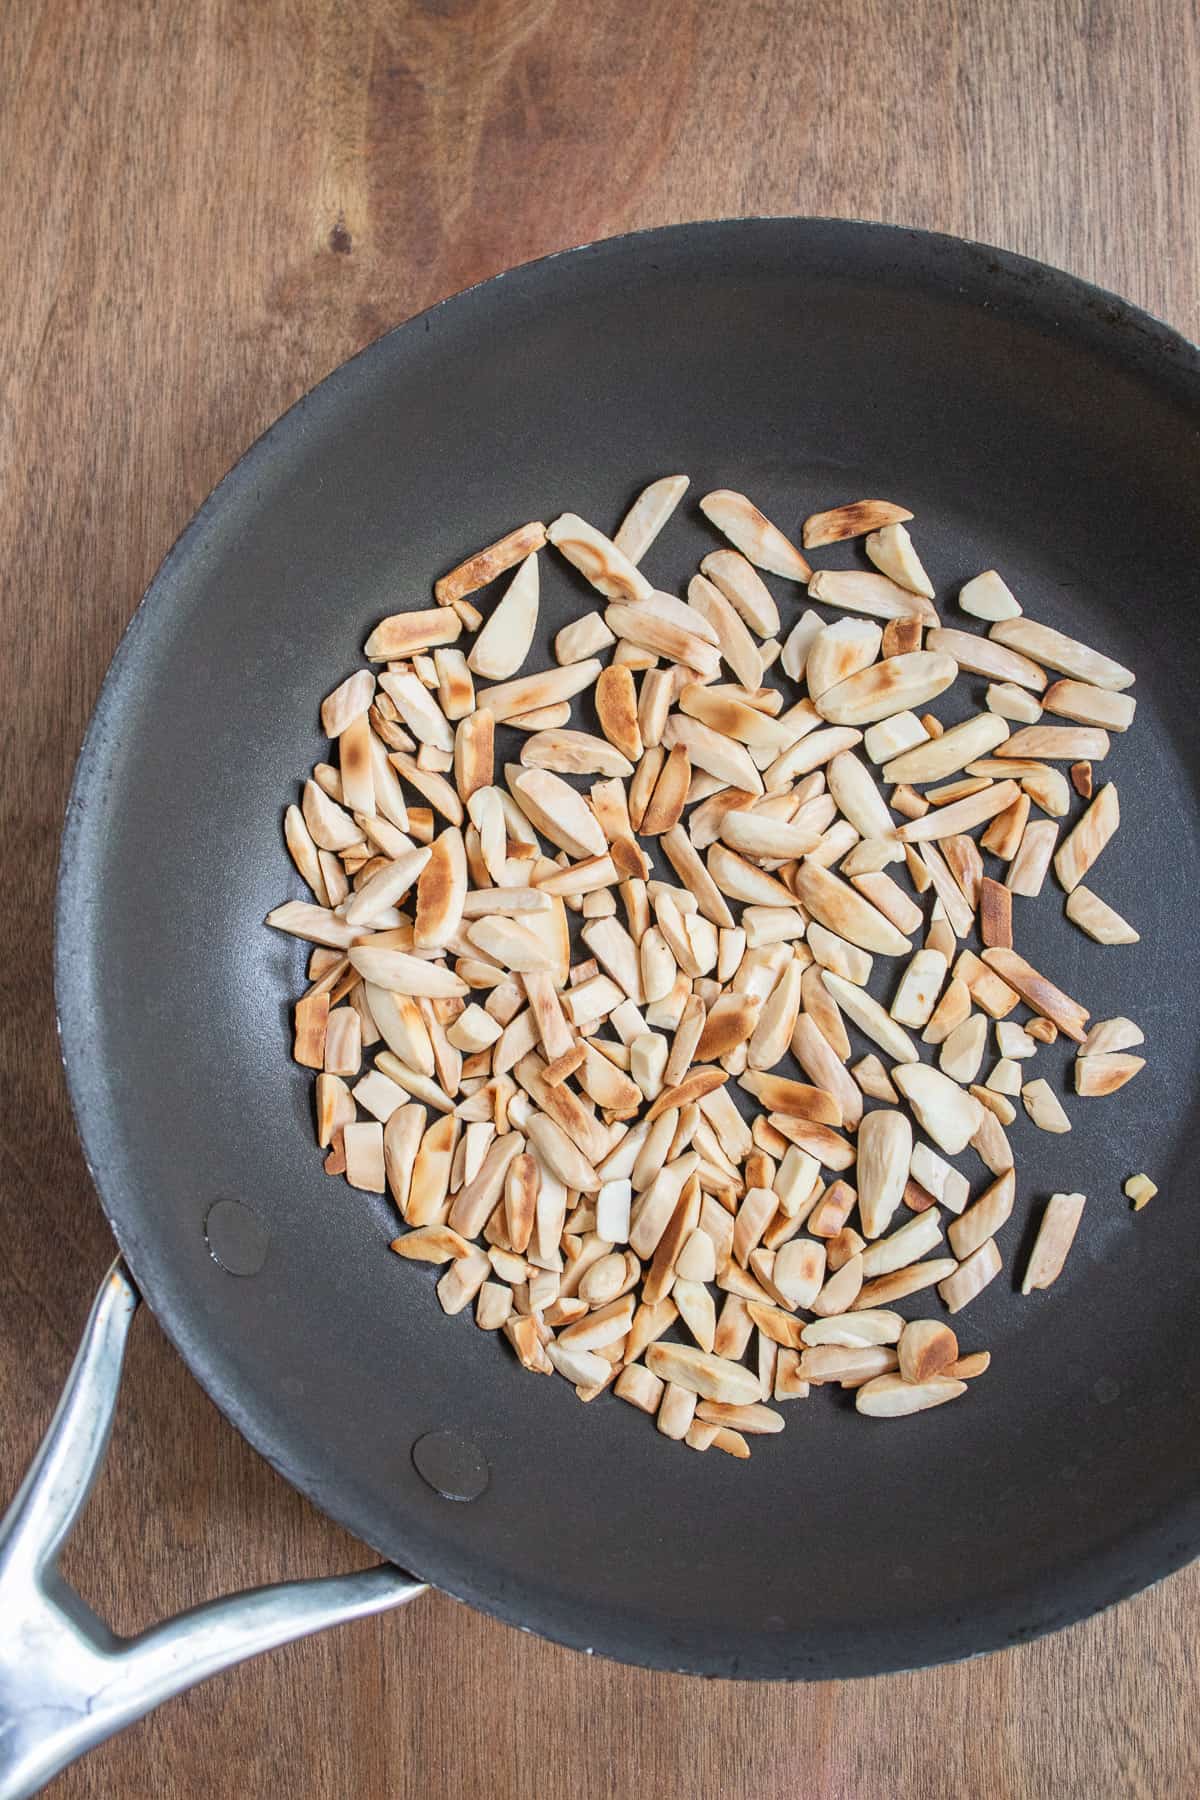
(66,1681)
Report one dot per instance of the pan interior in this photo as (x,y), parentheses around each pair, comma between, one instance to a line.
(1032,424)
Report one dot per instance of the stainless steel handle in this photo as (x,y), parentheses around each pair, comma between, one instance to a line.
(66,1681)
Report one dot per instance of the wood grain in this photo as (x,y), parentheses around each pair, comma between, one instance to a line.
(206,207)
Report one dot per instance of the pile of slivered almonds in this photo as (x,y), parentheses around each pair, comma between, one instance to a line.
(560,1134)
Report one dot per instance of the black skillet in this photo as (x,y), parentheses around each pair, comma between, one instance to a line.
(1031,422)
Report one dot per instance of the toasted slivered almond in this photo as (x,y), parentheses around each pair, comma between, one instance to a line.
(855,1330)
(985,1218)
(737,646)
(853,788)
(995,914)
(890,548)
(874,1079)
(1141,1190)
(304,853)
(734,577)
(1006,830)
(1089,705)
(405,634)
(430,1179)
(926,1348)
(898,684)
(664,809)
(958,746)
(884,1152)
(329,825)
(1043,1106)
(348,702)
(1056,1234)
(777,1020)
(862,591)
(528,693)
(1111,1034)
(474,740)
(984,656)
(839,651)
(1048,789)
(542,718)
(904,1246)
(757,834)
(639,1387)
(837,906)
(486,564)
(961,815)
(455,689)
(558,811)
(1044,1030)
(892,1397)
(986,596)
(754,535)
(432,1244)
(833,952)
(1083,845)
(901,636)
(724,712)
(971,1276)
(755,1420)
(315,924)
(617,954)
(574,752)
(859,517)
(961,1054)
(385,888)
(987,989)
(729,1023)
(871,1018)
(848,1364)
(695,1086)
(400,973)
(891,901)
(1038,993)
(1063,654)
(812,750)
(1027,870)
(587,636)
(710,750)
(919,988)
(1106,1073)
(436,789)
(657,627)
(700,1372)
(441,891)
(886,1290)
(795,1098)
(819,1062)
(958,910)
(419,710)
(1012,702)
(597,558)
(955,790)
(947,1185)
(1099,920)
(585,877)
(647,516)
(616,709)
(642,786)
(1058,743)
(743,880)
(775,1324)
(943,1111)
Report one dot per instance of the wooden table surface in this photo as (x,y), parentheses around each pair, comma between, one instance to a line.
(207,205)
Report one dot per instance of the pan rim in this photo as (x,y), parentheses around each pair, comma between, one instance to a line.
(1156,1549)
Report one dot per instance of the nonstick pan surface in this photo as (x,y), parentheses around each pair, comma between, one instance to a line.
(1032,423)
